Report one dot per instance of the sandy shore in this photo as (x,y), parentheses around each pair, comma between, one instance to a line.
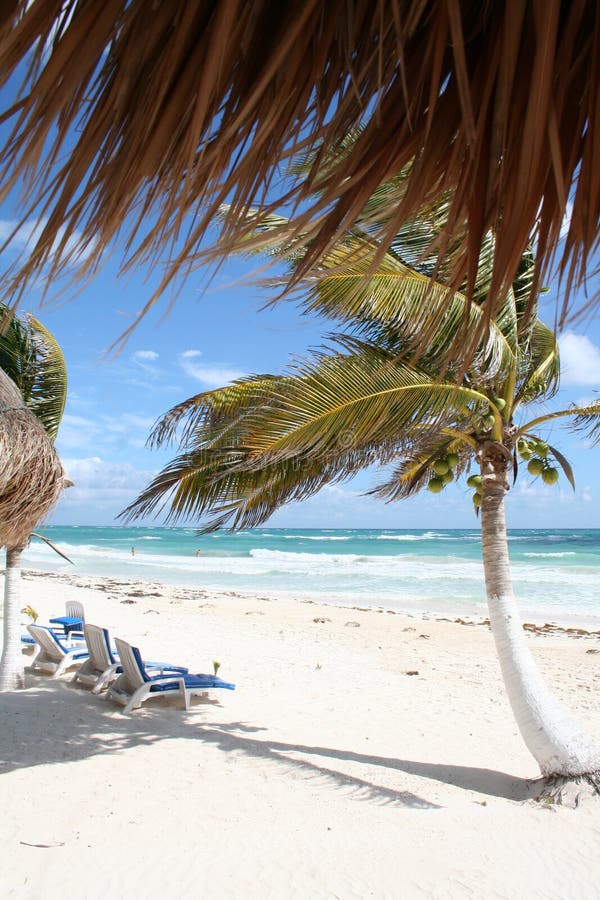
(363,754)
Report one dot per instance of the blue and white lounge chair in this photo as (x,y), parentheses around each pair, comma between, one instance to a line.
(53,656)
(103,665)
(135,685)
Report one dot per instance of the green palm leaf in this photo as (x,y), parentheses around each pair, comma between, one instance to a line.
(357,398)
(587,420)
(540,365)
(31,356)
(394,298)
(210,408)
(48,393)
(218,481)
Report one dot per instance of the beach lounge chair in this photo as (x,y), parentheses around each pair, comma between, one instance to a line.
(103,664)
(53,655)
(74,639)
(135,684)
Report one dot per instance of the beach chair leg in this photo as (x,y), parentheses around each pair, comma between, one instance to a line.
(104,679)
(137,698)
(62,665)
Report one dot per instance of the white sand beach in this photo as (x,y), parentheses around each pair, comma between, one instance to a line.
(363,754)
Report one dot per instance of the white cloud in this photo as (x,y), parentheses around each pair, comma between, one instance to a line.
(100,489)
(127,422)
(209,375)
(579,360)
(23,237)
(76,433)
(80,434)
(143,360)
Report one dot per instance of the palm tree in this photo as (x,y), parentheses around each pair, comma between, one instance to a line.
(427,417)
(33,384)
(143,125)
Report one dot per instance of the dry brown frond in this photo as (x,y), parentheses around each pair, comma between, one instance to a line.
(144,118)
(31,475)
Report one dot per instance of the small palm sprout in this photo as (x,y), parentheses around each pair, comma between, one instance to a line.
(31,612)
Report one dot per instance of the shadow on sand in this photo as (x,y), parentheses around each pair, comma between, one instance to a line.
(54,722)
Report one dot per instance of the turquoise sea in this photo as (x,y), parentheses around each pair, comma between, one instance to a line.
(556,572)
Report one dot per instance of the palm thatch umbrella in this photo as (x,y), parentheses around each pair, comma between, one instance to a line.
(144,119)
(31,480)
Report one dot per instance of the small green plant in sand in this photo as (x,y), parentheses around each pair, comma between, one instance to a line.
(31,612)
(216,666)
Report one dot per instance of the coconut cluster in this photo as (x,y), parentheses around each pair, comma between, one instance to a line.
(444,474)
(536,454)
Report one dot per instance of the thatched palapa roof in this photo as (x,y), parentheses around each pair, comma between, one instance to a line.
(31,475)
(144,117)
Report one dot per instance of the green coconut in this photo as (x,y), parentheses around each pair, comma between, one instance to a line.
(474,481)
(440,467)
(452,459)
(542,448)
(435,485)
(476,499)
(447,477)
(499,403)
(488,421)
(550,476)
(535,466)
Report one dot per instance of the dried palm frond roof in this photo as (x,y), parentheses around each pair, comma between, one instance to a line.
(143,118)
(31,475)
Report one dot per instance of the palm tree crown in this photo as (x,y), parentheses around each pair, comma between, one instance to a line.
(254,445)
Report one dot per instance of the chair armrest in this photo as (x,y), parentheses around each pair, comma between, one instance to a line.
(76,636)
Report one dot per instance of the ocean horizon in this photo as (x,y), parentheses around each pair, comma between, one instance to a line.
(555,571)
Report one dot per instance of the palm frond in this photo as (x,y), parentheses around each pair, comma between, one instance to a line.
(32,358)
(394,299)
(358,399)
(210,408)
(539,365)
(254,445)
(49,382)
(237,492)
(587,420)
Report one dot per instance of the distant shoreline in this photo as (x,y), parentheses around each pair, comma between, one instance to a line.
(570,626)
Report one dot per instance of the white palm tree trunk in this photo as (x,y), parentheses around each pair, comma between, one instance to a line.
(11,663)
(558,743)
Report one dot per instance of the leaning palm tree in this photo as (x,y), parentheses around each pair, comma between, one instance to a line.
(426,417)
(32,398)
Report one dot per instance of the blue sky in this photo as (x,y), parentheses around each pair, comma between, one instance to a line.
(215,334)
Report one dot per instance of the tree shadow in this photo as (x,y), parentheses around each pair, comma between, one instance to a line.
(483,781)
(55,722)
